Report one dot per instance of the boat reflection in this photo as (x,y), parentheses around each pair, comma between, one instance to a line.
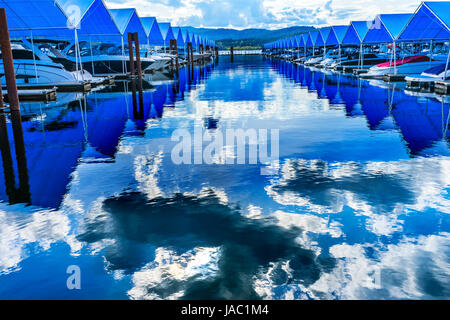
(422,120)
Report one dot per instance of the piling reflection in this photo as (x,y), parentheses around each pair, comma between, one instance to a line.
(78,128)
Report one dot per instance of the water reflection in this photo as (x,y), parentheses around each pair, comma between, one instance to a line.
(359,208)
(422,120)
(241,246)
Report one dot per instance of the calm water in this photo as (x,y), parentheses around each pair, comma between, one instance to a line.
(358,208)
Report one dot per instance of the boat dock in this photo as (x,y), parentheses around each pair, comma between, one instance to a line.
(34,95)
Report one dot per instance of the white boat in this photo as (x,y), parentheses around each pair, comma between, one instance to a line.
(314,60)
(369,60)
(405,66)
(40,70)
(162,61)
(430,75)
(103,59)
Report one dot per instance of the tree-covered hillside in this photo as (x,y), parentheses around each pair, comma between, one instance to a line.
(247,38)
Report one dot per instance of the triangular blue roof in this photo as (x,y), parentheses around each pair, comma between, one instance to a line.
(356,32)
(311,40)
(178,33)
(294,42)
(336,35)
(187,37)
(386,27)
(322,36)
(301,40)
(43,17)
(431,21)
(166,31)
(127,21)
(154,34)
(194,40)
(93,19)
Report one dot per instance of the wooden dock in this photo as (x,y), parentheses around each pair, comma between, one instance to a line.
(442,87)
(34,95)
(394,77)
(60,87)
(357,72)
(420,84)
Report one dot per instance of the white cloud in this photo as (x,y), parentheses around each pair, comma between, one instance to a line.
(264,13)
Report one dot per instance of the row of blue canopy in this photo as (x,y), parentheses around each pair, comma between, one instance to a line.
(90,19)
(430,22)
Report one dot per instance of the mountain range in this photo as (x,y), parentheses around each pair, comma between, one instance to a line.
(247,38)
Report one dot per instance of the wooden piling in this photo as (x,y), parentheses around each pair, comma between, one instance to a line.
(130,52)
(138,59)
(8,62)
(232,54)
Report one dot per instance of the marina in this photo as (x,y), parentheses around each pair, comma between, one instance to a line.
(164,166)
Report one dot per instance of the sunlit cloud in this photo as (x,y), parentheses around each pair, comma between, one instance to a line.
(270,14)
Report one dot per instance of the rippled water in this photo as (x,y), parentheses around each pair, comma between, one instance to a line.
(358,207)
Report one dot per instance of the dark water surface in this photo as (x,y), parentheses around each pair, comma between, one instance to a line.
(357,207)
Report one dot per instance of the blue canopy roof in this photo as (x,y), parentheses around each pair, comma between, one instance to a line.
(93,19)
(311,40)
(336,35)
(386,27)
(194,40)
(430,22)
(356,32)
(301,40)
(127,21)
(187,37)
(154,34)
(178,33)
(39,17)
(166,31)
(294,42)
(322,36)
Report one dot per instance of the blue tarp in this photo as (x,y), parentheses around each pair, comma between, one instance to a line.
(336,35)
(356,32)
(92,19)
(166,31)
(322,36)
(386,27)
(127,21)
(154,34)
(39,17)
(430,22)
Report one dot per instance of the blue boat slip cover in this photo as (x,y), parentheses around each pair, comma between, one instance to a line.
(312,36)
(128,21)
(153,31)
(356,32)
(322,36)
(336,35)
(92,19)
(430,22)
(386,28)
(36,17)
(166,31)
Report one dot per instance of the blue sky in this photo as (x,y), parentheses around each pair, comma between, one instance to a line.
(270,14)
